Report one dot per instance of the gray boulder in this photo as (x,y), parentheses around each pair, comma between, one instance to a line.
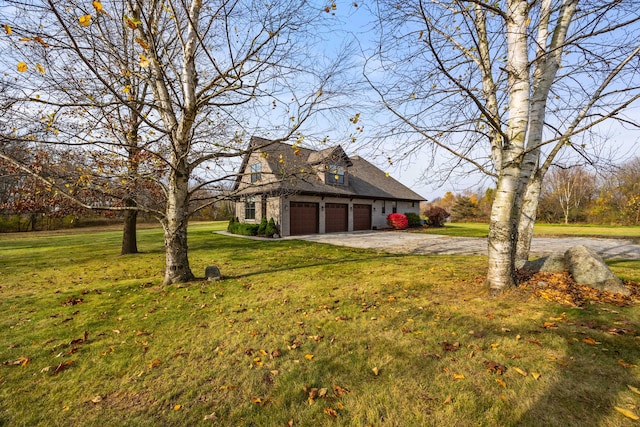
(546,263)
(588,268)
(212,273)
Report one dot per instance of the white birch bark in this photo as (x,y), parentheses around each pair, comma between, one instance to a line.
(547,62)
(527,219)
(503,220)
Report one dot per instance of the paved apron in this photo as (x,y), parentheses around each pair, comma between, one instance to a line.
(417,243)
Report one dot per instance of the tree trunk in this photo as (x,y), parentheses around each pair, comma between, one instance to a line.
(175,223)
(503,234)
(527,219)
(503,225)
(129,235)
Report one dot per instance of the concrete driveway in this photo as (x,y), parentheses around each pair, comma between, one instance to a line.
(416,243)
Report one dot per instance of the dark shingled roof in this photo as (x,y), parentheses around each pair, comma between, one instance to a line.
(294,168)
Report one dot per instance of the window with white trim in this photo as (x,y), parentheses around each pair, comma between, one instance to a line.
(256,172)
(250,208)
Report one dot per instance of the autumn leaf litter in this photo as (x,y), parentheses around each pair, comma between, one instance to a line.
(561,288)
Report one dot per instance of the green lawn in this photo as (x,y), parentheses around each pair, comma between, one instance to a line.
(469,229)
(299,333)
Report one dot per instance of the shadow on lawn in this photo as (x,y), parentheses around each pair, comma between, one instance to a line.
(299,266)
(590,378)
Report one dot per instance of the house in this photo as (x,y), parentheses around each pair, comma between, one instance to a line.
(307,191)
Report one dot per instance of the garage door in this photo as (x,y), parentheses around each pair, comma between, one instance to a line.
(362,217)
(336,218)
(303,218)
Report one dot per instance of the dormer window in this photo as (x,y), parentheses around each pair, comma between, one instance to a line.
(256,172)
(335,174)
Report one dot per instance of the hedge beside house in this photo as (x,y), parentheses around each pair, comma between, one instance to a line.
(265,228)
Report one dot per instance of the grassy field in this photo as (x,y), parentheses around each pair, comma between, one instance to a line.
(298,334)
(469,229)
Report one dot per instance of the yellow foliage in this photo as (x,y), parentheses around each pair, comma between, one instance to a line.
(22,67)
(142,43)
(144,61)
(85,20)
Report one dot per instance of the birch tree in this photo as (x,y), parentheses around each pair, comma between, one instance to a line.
(215,71)
(505,88)
(571,188)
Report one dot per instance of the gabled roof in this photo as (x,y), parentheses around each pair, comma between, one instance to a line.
(331,154)
(295,169)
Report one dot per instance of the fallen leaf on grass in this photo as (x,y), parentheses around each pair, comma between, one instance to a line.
(633,389)
(536,342)
(308,356)
(210,417)
(82,340)
(375,370)
(97,399)
(432,355)
(502,383)
(626,364)
(458,376)
(314,393)
(340,391)
(72,301)
(154,364)
(448,400)
(450,347)
(590,341)
(520,371)
(627,413)
(62,366)
(494,367)
(22,361)
(535,375)
(177,407)
(549,325)
(331,412)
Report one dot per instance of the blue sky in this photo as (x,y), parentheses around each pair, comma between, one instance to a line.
(354,28)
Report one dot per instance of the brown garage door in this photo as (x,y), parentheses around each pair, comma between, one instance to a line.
(335,217)
(303,218)
(362,217)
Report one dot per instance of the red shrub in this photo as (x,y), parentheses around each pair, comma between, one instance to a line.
(397,221)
